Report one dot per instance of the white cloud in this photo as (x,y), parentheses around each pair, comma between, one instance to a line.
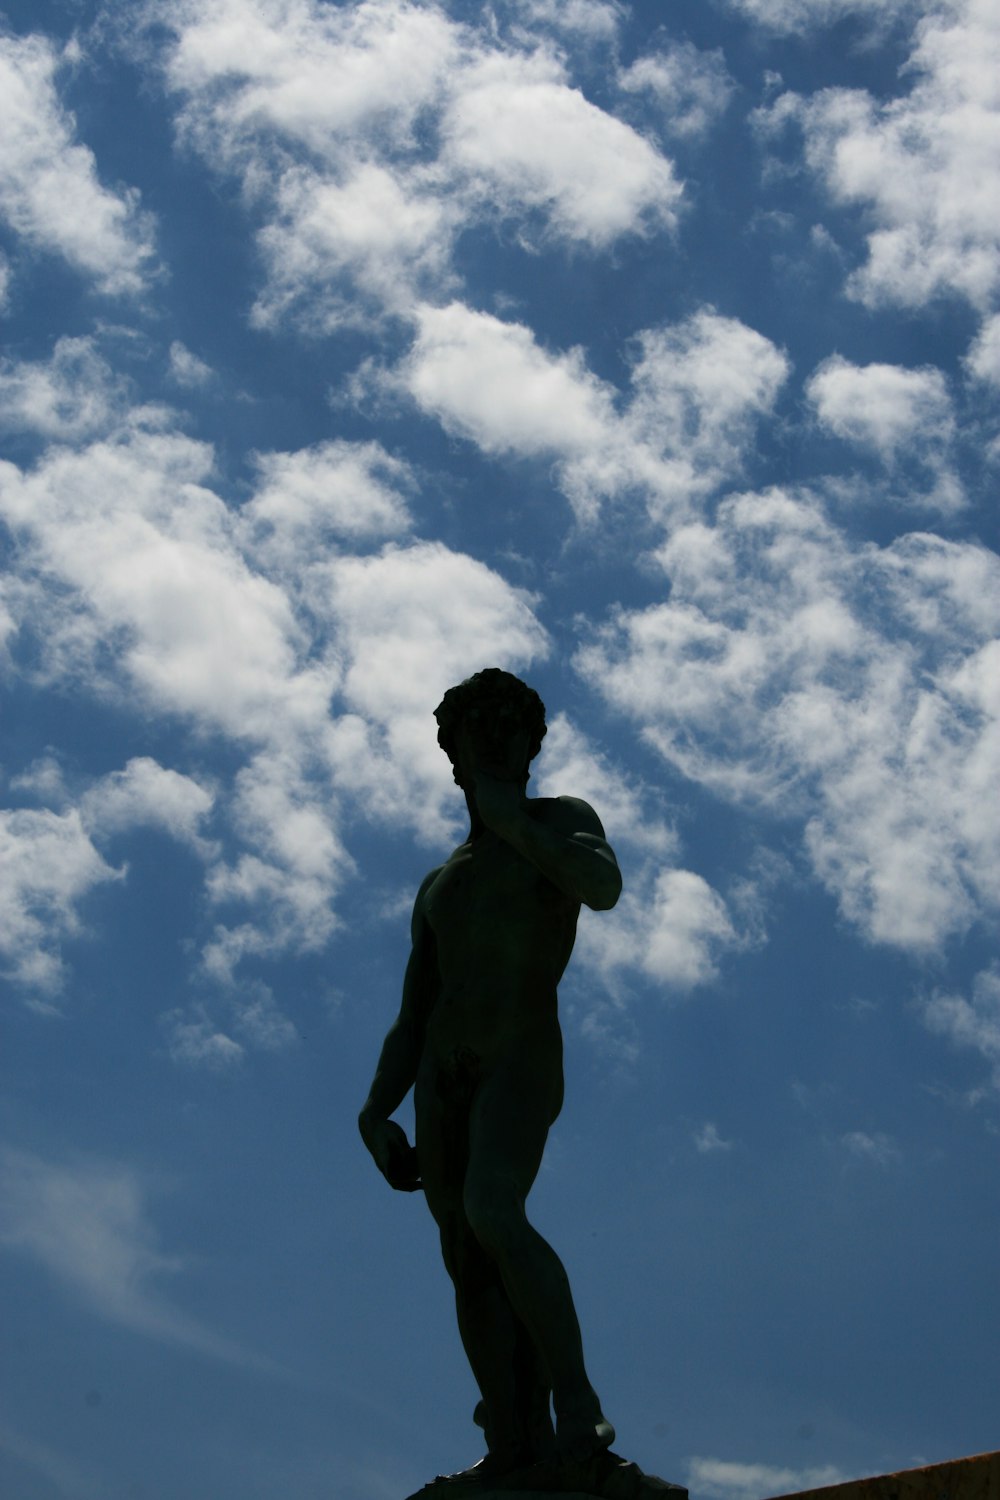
(590,174)
(878,1148)
(187,369)
(490,381)
(314,108)
(196,1041)
(70,396)
(50,193)
(983,358)
(707,1140)
(671,927)
(848,687)
(804,15)
(297,863)
(50,860)
(376,225)
(571,766)
(309,499)
(152,568)
(6,275)
(924,167)
(48,865)
(590,20)
(262,1023)
(691,87)
(697,389)
(904,416)
(410,623)
(364,136)
(885,407)
(142,585)
(87,1223)
(303,72)
(971,1024)
(146,794)
(722,1479)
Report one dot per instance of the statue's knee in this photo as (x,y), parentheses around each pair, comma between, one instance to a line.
(493,1213)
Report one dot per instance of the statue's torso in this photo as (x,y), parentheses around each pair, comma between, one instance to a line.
(503,935)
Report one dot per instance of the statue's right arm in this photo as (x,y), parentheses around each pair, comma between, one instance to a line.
(399,1059)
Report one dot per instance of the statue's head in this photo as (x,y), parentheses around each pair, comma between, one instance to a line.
(493,707)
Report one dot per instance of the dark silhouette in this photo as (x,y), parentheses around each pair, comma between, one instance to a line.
(478,1039)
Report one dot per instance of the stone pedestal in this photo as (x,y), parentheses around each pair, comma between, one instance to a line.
(976,1478)
(606,1476)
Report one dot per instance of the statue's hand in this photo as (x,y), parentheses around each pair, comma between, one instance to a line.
(500,803)
(395,1158)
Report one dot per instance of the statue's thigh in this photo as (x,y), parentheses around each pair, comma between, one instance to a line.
(510,1119)
(442,1151)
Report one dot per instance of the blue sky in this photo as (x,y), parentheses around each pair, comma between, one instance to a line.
(650,351)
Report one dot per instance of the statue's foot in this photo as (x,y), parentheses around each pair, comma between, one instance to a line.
(603,1474)
(580,1438)
(493,1467)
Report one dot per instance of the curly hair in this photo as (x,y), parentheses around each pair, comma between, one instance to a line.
(494,686)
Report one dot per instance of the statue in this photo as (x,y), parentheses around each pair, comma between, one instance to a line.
(478,1039)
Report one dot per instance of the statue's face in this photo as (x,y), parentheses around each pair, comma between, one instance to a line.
(492,738)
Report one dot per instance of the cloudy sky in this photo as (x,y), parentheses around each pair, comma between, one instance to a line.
(650,351)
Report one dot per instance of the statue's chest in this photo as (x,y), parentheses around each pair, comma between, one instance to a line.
(489,881)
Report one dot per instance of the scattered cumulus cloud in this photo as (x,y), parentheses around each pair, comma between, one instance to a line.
(878,1148)
(186,369)
(250,71)
(691,87)
(88,1225)
(338,250)
(845,686)
(310,499)
(708,1141)
(807,15)
(723,1479)
(259,626)
(194,1040)
(365,140)
(670,926)
(491,382)
(971,1024)
(72,395)
(48,865)
(146,794)
(412,621)
(983,359)
(143,557)
(698,388)
(50,191)
(570,764)
(903,416)
(591,176)
(884,407)
(51,857)
(589,20)
(924,167)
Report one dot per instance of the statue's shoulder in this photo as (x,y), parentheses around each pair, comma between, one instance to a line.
(425,885)
(567,815)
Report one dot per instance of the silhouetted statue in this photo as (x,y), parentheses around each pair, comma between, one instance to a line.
(478,1039)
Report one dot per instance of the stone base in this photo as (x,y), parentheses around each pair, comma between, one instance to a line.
(606,1476)
(976,1478)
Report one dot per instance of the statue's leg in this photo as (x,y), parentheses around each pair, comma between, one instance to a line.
(509,1123)
(487,1323)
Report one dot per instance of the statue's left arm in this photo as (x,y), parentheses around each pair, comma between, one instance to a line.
(566,843)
